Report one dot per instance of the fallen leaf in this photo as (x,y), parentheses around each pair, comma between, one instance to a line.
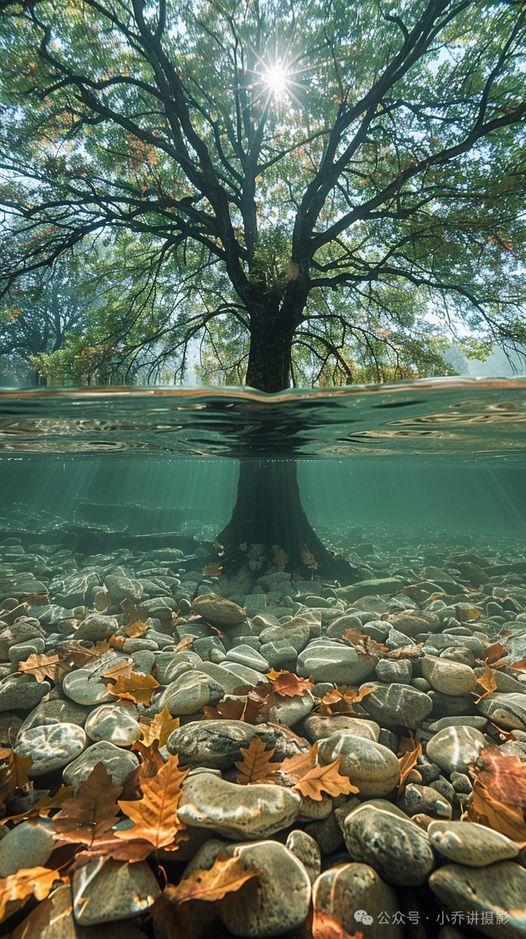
(138,688)
(248,709)
(151,759)
(212,570)
(52,800)
(487,682)
(137,628)
(493,653)
(308,558)
(412,651)
(326,779)
(519,666)
(407,763)
(27,882)
(364,644)
(184,644)
(255,765)
(155,814)
(121,669)
(91,811)
(13,773)
(225,876)
(280,557)
(74,655)
(295,767)
(289,685)
(342,700)
(109,846)
(159,728)
(508,819)
(44,666)
(502,775)
(325,927)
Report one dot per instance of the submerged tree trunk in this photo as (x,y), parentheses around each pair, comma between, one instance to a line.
(269,529)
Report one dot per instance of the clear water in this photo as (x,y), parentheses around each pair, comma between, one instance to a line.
(431,460)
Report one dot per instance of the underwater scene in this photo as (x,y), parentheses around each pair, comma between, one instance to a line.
(270,650)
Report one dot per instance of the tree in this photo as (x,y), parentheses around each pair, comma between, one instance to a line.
(314,168)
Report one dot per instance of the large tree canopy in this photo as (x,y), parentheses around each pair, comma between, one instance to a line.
(297,175)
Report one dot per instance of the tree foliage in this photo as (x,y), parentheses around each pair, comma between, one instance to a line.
(288,183)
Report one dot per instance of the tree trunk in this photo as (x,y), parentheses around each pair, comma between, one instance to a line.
(269,529)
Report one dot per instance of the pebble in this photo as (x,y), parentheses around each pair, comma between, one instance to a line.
(50,746)
(105,891)
(28,844)
(412,622)
(447,676)
(97,627)
(85,687)
(369,765)
(342,891)
(317,727)
(498,891)
(390,842)
(331,662)
(289,710)
(21,692)
(397,705)
(212,743)
(53,919)
(116,723)
(190,693)
(119,763)
(246,812)
(505,710)
(307,850)
(455,748)
(274,903)
(471,844)
(218,611)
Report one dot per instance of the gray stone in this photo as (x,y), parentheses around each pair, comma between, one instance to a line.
(50,746)
(245,655)
(272,904)
(290,709)
(56,711)
(218,611)
(28,844)
(413,622)
(390,842)
(116,723)
(448,677)
(389,670)
(328,661)
(190,693)
(120,587)
(505,710)
(385,586)
(342,891)
(212,743)
(236,812)
(318,727)
(119,763)
(53,919)
(105,891)
(307,850)
(455,748)
(371,767)
(97,626)
(471,844)
(498,891)
(21,692)
(397,705)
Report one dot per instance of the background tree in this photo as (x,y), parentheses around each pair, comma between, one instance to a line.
(288,151)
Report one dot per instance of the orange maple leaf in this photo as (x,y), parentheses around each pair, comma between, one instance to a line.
(91,811)
(27,882)
(503,775)
(255,765)
(508,819)
(328,779)
(155,814)
(159,728)
(487,681)
(225,876)
(407,763)
(288,685)
(138,688)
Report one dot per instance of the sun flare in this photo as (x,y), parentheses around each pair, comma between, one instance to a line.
(276,79)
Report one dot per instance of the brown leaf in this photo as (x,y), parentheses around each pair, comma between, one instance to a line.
(502,775)
(155,815)
(296,767)
(255,765)
(44,666)
(109,846)
(13,773)
(91,811)
(74,655)
(487,682)
(121,669)
(280,557)
(342,700)
(137,628)
(325,927)
(326,779)
(53,800)
(138,688)
(308,558)
(151,759)
(364,644)
(27,882)
(412,651)
(493,653)
(508,819)
(288,685)
(248,709)
(212,570)
(225,876)
(159,728)
(407,763)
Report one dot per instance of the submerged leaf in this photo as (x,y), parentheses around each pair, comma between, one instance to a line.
(325,779)
(503,775)
(27,882)
(225,876)
(159,728)
(91,811)
(155,814)
(407,763)
(255,765)
(487,682)
(138,688)
(326,927)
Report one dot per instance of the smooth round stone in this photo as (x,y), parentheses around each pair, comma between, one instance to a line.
(119,763)
(120,587)
(112,891)
(397,705)
(448,677)
(472,720)
(28,844)
(389,671)
(218,611)
(307,850)
(97,626)
(289,710)
(237,812)
(471,844)
(53,919)
(212,743)
(418,800)
(317,727)
(275,902)
(498,890)
(369,765)
(50,746)
(413,622)
(455,748)
(341,891)
(337,663)
(190,693)
(505,710)
(280,654)
(84,687)
(391,843)
(116,723)
(221,675)
(22,650)
(246,655)
(170,665)
(21,692)
(57,711)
